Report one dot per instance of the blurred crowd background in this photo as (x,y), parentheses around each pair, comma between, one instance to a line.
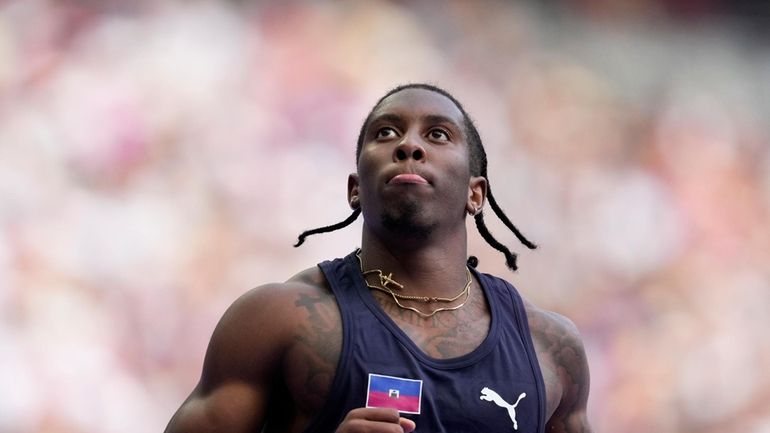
(158,159)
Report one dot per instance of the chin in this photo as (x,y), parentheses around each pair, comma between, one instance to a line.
(409,221)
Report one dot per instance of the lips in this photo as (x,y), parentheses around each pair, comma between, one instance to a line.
(408,178)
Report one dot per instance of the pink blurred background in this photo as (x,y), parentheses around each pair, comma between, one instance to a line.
(157,159)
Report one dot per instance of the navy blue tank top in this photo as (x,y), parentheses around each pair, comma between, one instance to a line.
(496,388)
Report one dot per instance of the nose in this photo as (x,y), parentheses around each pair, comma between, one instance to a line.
(408,148)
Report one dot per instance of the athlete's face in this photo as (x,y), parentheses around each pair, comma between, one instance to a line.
(413,170)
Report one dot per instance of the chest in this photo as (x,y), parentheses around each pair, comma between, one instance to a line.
(311,361)
(445,334)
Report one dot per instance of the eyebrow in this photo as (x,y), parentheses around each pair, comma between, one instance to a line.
(388,118)
(437,118)
(429,118)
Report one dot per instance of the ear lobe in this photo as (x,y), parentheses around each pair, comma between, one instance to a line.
(353,200)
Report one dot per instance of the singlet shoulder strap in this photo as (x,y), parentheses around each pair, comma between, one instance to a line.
(519,317)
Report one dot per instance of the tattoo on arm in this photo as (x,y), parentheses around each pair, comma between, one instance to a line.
(566,369)
(319,342)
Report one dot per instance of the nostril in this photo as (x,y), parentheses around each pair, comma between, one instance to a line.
(417,154)
(400,154)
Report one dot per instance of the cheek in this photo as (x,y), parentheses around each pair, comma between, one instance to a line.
(364,164)
(371,160)
(366,176)
(460,171)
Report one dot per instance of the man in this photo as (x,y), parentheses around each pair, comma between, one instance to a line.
(402,334)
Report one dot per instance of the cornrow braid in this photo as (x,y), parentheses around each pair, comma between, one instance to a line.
(478,166)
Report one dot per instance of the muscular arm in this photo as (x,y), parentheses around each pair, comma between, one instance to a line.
(565,370)
(243,356)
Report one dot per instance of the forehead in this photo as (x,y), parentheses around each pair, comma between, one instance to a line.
(419,103)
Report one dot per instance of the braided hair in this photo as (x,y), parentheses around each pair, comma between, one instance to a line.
(478,166)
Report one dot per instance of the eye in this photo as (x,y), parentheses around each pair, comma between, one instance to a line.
(438,134)
(385,133)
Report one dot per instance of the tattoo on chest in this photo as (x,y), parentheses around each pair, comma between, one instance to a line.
(448,334)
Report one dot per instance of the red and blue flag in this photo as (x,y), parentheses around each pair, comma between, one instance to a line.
(394,392)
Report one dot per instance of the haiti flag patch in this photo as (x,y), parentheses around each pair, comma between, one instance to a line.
(394,392)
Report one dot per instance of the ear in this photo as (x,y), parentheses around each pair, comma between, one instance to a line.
(477,194)
(353,199)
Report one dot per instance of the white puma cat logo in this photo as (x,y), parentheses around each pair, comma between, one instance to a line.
(490,395)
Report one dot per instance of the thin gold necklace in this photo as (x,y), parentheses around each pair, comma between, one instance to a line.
(385,280)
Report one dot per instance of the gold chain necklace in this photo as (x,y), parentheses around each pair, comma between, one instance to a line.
(385,280)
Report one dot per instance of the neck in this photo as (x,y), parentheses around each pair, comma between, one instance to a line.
(432,268)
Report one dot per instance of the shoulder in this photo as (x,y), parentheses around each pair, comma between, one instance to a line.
(272,301)
(266,320)
(544,323)
(276,298)
(541,322)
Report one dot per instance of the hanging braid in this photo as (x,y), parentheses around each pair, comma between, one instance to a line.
(504,218)
(510,258)
(331,228)
(478,165)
